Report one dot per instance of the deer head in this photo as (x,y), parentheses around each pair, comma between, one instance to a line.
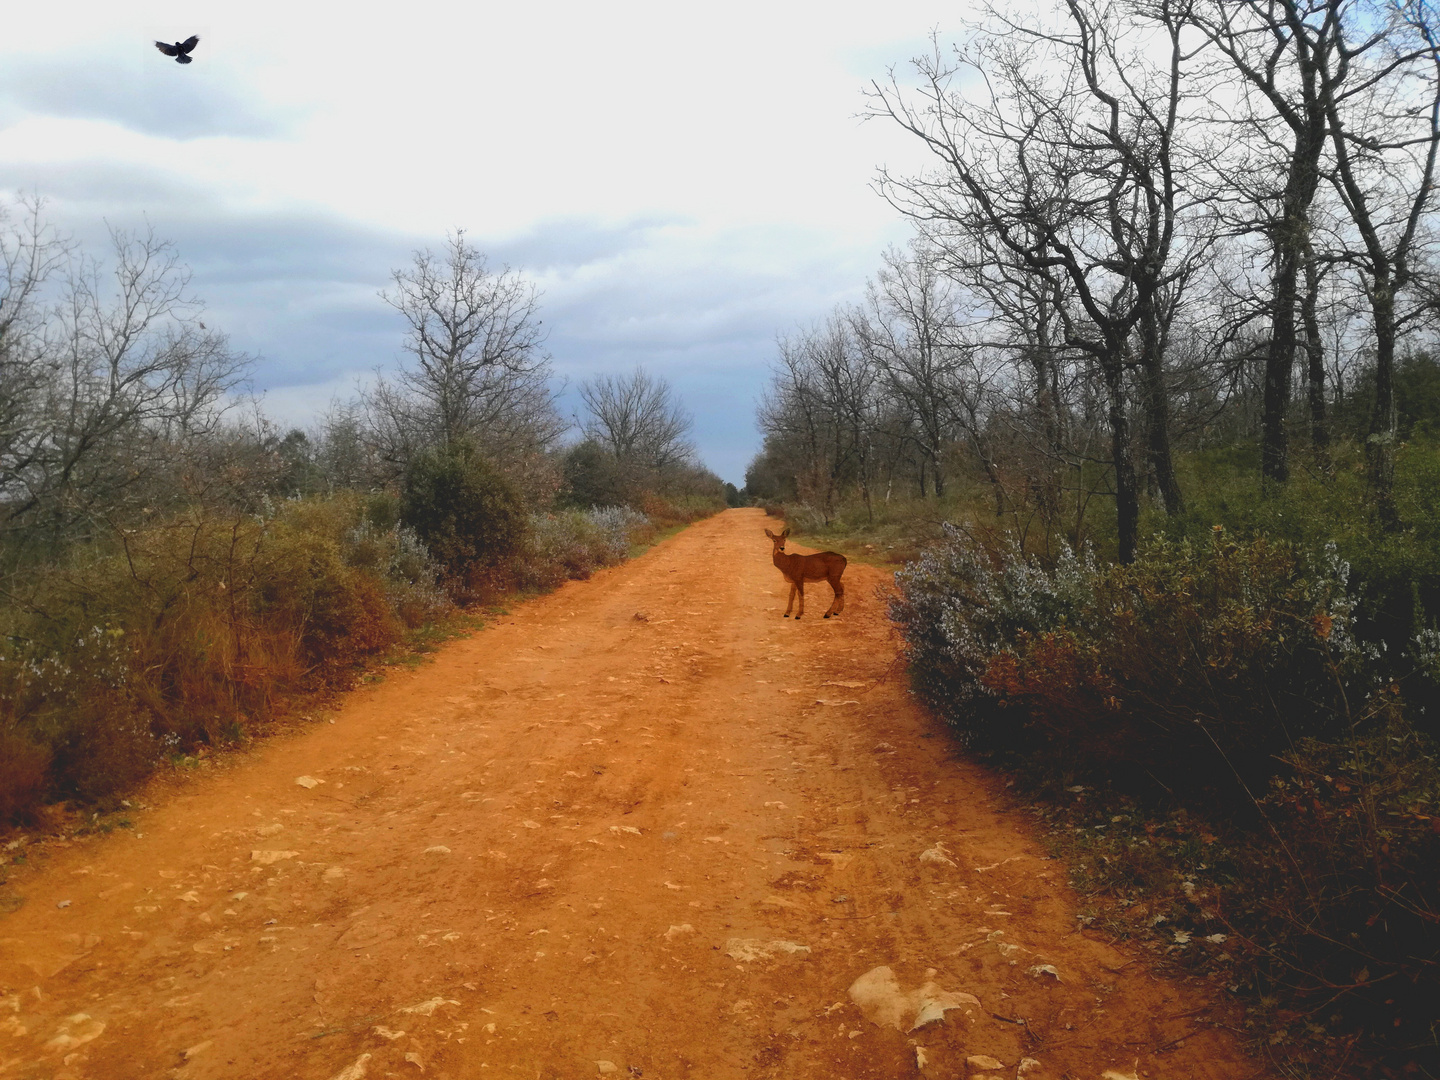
(778,541)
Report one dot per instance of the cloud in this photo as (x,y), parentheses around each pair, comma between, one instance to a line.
(142,92)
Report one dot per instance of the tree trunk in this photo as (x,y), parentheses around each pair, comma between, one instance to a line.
(1380,446)
(1315,362)
(1279,361)
(1157,413)
(1127,500)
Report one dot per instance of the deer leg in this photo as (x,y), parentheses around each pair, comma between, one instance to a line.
(791,604)
(838,604)
(800,590)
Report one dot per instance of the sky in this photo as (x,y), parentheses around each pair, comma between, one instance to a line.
(682,183)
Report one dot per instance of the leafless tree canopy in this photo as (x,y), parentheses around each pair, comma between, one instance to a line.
(638,419)
(109,381)
(477,370)
(1136,217)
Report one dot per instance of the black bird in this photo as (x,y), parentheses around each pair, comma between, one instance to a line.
(181,50)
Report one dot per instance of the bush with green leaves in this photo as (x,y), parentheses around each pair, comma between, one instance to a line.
(1189,668)
(468,515)
(1227,683)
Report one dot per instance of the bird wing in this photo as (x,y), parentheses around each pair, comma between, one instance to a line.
(188,45)
(168,50)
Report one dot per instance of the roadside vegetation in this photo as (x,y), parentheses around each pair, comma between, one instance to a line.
(176,573)
(1149,411)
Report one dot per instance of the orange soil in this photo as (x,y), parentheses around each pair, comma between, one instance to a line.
(549,841)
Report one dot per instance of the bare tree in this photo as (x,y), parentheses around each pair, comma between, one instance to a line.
(638,419)
(478,370)
(1066,158)
(1384,124)
(109,386)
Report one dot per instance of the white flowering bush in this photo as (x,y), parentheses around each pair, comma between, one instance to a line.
(1189,663)
(960,604)
(398,557)
(573,544)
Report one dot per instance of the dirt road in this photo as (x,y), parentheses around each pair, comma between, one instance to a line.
(641,826)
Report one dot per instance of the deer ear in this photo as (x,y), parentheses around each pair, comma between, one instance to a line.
(769,534)
(785,533)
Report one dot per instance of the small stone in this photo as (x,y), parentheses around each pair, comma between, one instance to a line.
(308,781)
(333,873)
(427,1008)
(1026,1064)
(677,931)
(527,823)
(982,1063)
(386,1033)
(937,855)
(63,904)
(920,1059)
(355,1071)
(748,950)
(267,858)
(607,1067)
(437,849)
(1044,969)
(414,1059)
(197,1049)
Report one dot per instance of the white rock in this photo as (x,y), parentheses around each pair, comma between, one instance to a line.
(427,1008)
(1026,1064)
(266,858)
(308,781)
(414,1059)
(437,849)
(1044,969)
(747,950)
(606,1067)
(76,1030)
(386,1033)
(1115,1074)
(677,931)
(198,1049)
(920,1059)
(355,1071)
(983,1063)
(333,873)
(938,855)
(878,995)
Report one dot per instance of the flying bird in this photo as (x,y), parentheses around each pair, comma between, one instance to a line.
(181,50)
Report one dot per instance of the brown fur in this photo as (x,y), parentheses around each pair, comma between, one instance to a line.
(798,569)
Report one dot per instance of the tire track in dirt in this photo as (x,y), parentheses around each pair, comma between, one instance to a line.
(572,843)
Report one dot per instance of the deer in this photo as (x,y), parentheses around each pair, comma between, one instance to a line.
(798,569)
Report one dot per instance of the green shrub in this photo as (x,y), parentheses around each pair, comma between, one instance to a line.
(1224,686)
(189,631)
(592,476)
(1190,668)
(467,514)
(572,544)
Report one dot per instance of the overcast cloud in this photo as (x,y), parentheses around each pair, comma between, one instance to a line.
(683,184)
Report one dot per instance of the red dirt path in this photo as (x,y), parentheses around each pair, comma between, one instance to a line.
(537,854)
